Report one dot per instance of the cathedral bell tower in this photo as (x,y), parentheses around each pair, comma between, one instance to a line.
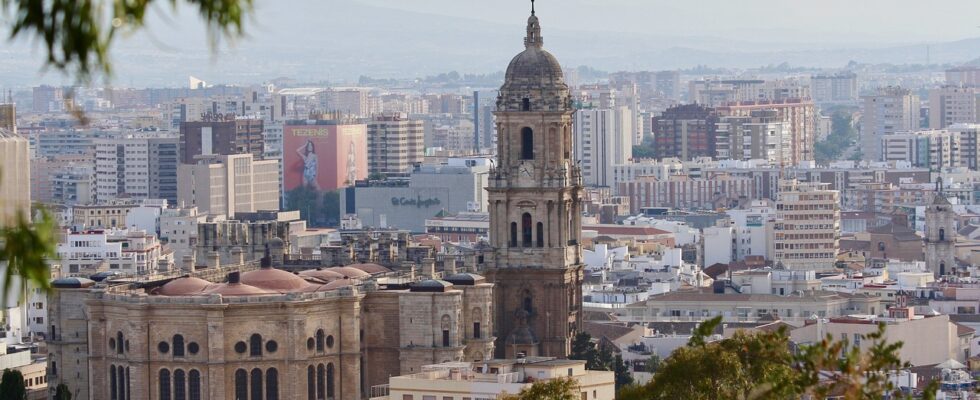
(535,208)
(940,240)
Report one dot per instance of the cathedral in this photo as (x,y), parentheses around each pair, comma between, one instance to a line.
(535,208)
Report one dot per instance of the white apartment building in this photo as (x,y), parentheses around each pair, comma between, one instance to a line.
(136,166)
(603,138)
(969,135)
(933,149)
(806,232)
(229,184)
(744,233)
(950,105)
(15,177)
(761,136)
(127,251)
(888,111)
(178,229)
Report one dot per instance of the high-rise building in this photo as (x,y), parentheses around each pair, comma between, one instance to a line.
(967,75)
(8,117)
(685,132)
(48,99)
(933,149)
(227,136)
(760,136)
(603,138)
(950,105)
(888,111)
(348,101)
(229,184)
(806,232)
(15,178)
(395,144)
(841,87)
(969,136)
(137,167)
(798,114)
(535,209)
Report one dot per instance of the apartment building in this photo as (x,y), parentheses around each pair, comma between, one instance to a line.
(395,144)
(603,138)
(888,111)
(229,184)
(806,232)
(950,105)
(933,149)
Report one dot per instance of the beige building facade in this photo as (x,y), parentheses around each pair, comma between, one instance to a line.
(229,184)
(395,144)
(806,232)
(15,177)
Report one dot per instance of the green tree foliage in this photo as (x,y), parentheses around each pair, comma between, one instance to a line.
(25,249)
(760,366)
(653,364)
(77,34)
(645,149)
(553,389)
(842,136)
(599,358)
(62,392)
(12,385)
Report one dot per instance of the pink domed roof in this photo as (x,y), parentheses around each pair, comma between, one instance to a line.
(237,289)
(184,286)
(349,272)
(322,274)
(370,268)
(337,284)
(273,279)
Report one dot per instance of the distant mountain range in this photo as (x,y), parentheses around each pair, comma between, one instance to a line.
(349,39)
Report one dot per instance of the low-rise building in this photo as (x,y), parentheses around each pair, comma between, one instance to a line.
(697,305)
(493,378)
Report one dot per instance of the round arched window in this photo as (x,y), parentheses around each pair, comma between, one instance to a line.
(112,343)
(271,346)
(330,341)
(309,344)
(163,347)
(193,347)
(240,347)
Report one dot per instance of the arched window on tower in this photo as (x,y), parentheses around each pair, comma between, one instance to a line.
(513,234)
(194,384)
(180,390)
(526,229)
(255,345)
(119,342)
(178,350)
(256,384)
(241,384)
(942,234)
(311,383)
(330,383)
(527,302)
(320,381)
(319,339)
(527,143)
(112,382)
(164,384)
(525,104)
(540,234)
(272,384)
(942,269)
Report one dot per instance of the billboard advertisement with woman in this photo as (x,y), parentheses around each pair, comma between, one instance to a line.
(322,156)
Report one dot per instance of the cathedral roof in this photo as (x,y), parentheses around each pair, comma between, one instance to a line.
(273,279)
(465,279)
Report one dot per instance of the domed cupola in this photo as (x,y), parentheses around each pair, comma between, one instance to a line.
(534,80)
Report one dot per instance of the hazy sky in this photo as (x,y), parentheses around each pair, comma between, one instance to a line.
(892,21)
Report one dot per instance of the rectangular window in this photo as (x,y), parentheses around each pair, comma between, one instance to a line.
(445,338)
(476,330)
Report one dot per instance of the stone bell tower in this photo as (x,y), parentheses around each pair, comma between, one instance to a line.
(940,236)
(535,208)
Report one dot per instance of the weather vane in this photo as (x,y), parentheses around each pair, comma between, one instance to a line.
(532,7)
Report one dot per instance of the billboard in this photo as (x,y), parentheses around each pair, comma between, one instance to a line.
(323,157)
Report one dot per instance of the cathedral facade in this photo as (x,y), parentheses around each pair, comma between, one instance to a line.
(535,209)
